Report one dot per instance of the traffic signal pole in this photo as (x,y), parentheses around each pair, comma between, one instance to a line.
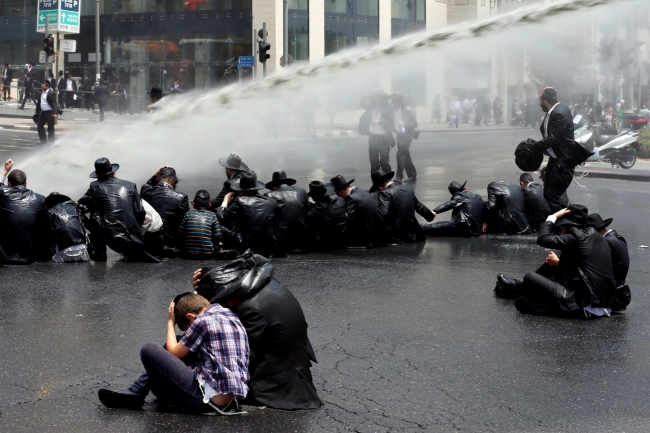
(264,40)
(97,58)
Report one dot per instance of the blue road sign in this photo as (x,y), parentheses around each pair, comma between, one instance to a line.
(246,61)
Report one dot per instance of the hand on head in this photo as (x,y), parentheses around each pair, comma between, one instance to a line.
(196,278)
(559,214)
(171,316)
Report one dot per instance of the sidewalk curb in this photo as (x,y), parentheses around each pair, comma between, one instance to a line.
(15,116)
(632,177)
(23,127)
(330,134)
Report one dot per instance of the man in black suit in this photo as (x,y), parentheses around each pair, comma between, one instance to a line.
(28,85)
(7,78)
(60,89)
(46,112)
(101,98)
(70,91)
(563,151)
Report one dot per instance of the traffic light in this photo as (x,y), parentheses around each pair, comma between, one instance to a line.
(264,47)
(49,45)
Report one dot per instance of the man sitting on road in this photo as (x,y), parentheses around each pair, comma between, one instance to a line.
(235,168)
(25,232)
(397,207)
(504,210)
(281,353)
(579,284)
(535,205)
(466,214)
(326,217)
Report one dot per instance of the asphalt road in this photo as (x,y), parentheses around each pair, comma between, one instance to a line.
(409,338)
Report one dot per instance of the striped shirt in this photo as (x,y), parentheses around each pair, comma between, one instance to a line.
(199,231)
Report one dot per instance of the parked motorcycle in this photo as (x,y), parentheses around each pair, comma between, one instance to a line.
(618,149)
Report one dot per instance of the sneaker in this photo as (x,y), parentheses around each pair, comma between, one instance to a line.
(121,399)
(507,287)
(411,180)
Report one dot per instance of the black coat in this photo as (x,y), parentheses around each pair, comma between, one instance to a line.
(467,210)
(253,219)
(281,353)
(397,207)
(560,138)
(364,227)
(410,127)
(292,208)
(25,233)
(50,100)
(504,210)
(29,81)
(216,203)
(171,205)
(116,205)
(620,266)
(386,122)
(65,219)
(9,76)
(585,268)
(101,95)
(535,205)
(327,220)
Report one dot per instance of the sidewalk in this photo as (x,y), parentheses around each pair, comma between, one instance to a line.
(640,172)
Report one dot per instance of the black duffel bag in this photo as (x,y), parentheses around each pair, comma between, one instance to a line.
(527,157)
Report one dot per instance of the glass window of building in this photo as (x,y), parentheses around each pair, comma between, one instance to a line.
(407,16)
(350,22)
(298,30)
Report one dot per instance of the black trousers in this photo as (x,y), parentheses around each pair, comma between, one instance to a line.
(101,111)
(379,152)
(556,183)
(404,161)
(7,91)
(446,229)
(29,94)
(69,99)
(43,118)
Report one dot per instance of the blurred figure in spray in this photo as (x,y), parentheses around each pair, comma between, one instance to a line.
(101,97)
(405,127)
(437,109)
(607,120)
(466,107)
(376,124)
(497,110)
(598,111)
(121,103)
(155,95)
(478,112)
(454,111)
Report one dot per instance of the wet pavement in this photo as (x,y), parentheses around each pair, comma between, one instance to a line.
(409,338)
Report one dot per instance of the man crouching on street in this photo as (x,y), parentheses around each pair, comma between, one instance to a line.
(205,372)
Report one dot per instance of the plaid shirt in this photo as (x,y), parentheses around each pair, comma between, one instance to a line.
(221,343)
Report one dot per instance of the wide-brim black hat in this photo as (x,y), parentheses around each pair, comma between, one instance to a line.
(55,198)
(379,177)
(248,182)
(103,167)
(320,189)
(156,92)
(232,162)
(279,178)
(577,217)
(339,182)
(596,221)
(455,187)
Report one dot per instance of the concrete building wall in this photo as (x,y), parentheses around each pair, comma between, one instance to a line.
(316,30)
(270,11)
(436,16)
(385,15)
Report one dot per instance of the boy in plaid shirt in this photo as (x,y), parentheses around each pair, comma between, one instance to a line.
(206,371)
(200,230)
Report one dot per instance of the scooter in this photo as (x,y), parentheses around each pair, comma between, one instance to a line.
(617,149)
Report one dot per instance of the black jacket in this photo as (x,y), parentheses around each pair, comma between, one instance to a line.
(535,205)
(216,203)
(65,220)
(467,211)
(116,205)
(364,227)
(620,266)
(560,138)
(65,85)
(170,204)
(292,208)
(61,84)
(585,268)
(9,76)
(386,122)
(28,81)
(504,211)
(410,127)
(50,100)
(253,219)
(397,207)
(25,233)
(326,220)
(101,95)
(281,353)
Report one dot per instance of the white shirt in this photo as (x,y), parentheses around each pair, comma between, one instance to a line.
(548,151)
(44,105)
(68,85)
(376,128)
(398,118)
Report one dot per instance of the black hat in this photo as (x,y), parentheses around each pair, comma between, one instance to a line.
(156,92)
(318,189)
(595,220)
(278,178)
(233,162)
(379,177)
(167,171)
(248,182)
(180,295)
(455,187)
(103,167)
(527,156)
(203,194)
(577,217)
(339,182)
(55,198)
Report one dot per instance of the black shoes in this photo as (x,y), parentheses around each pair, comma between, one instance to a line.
(121,399)
(398,180)
(411,180)
(507,287)
(526,306)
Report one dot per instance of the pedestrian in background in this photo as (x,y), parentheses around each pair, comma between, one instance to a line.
(46,112)
(70,91)
(405,127)
(376,123)
(28,85)
(7,78)
(437,109)
(101,98)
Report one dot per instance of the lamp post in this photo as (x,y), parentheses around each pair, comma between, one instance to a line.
(97,54)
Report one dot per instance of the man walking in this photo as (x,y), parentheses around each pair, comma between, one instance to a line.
(70,90)
(7,78)
(28,85)
(46,112)
(101,98)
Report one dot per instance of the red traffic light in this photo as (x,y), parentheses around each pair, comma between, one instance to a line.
(48,45)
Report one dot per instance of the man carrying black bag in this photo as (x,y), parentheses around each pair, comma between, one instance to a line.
(46,111)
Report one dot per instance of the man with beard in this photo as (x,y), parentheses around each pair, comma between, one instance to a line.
(466,214)
(160,192)
(535,205)
(326,217)
(563,151)
(292,205)
(235,168)
(504,210)
(397,207)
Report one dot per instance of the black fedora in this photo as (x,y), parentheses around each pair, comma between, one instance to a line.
(339,182)
(278,178)
(55,198)
(318,189)
(156,92)
(104,167)
(233,162)
(379,177)
(595,220)
(455,187)
(577,217)
(248,182)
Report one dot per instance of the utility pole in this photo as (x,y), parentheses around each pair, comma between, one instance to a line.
(97,54)
(255,54)
(285,48)
(264,40)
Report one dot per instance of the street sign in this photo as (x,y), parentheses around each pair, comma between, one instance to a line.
(64,15)
(44,58)
(246,61)
(68,45)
